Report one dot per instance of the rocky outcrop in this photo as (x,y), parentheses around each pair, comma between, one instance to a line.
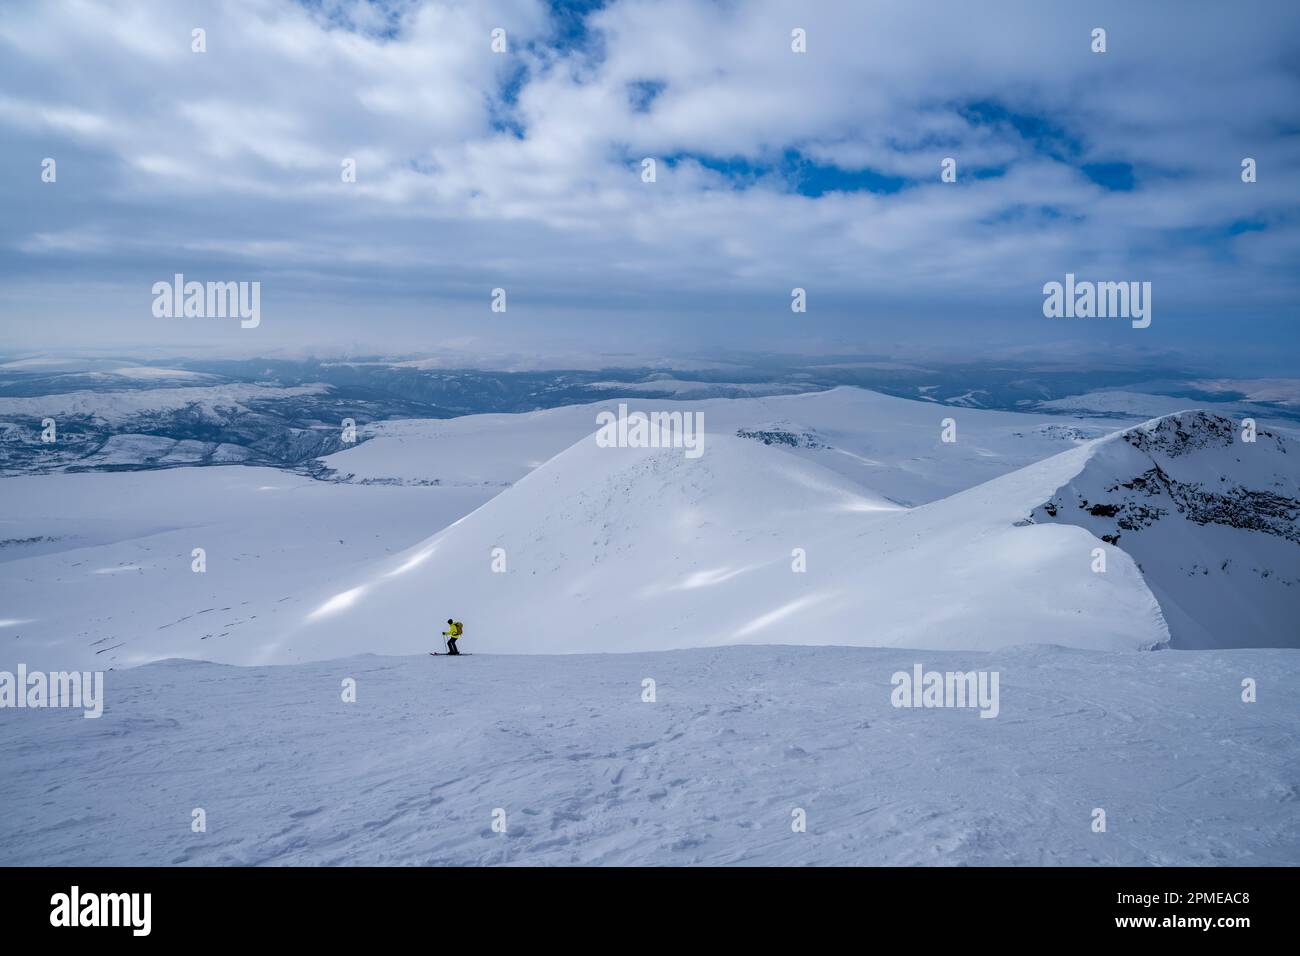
(1210,517)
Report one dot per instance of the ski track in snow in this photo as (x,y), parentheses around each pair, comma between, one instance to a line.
(709,774)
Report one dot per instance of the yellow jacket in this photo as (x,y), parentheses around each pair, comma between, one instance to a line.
(457,629)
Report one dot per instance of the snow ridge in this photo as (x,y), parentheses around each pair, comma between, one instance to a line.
(1148,489)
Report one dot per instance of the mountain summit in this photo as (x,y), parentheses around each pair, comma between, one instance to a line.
(1212,520)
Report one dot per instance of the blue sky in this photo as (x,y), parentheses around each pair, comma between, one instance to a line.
(522,170)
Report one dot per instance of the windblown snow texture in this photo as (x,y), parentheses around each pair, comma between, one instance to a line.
(711,772)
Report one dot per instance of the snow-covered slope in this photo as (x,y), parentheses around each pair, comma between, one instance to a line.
(614,549)
(98,566)
(711,772)
(786,530)
(96,570)
(1213,522)
(889,445)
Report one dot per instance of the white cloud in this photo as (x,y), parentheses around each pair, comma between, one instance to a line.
(231,159)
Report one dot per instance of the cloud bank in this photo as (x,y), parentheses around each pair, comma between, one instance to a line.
(523,170)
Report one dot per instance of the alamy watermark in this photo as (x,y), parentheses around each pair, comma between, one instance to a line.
(653,430)
(208,300)
(83,689)
(1099,300)
(76,908)
(923,688)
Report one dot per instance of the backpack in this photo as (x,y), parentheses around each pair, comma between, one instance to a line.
(457,629)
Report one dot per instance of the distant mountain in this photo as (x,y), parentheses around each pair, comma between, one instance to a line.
(140,418)
(118,414)
(890,445)
(140,428)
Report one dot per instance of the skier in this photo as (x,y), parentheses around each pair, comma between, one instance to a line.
(455,630)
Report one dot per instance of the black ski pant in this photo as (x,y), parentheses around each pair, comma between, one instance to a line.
(451,646)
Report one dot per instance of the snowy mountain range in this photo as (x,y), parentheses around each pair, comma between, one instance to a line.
(642,550)
(834,517)
(840,516)
(176,425)
(118,414)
